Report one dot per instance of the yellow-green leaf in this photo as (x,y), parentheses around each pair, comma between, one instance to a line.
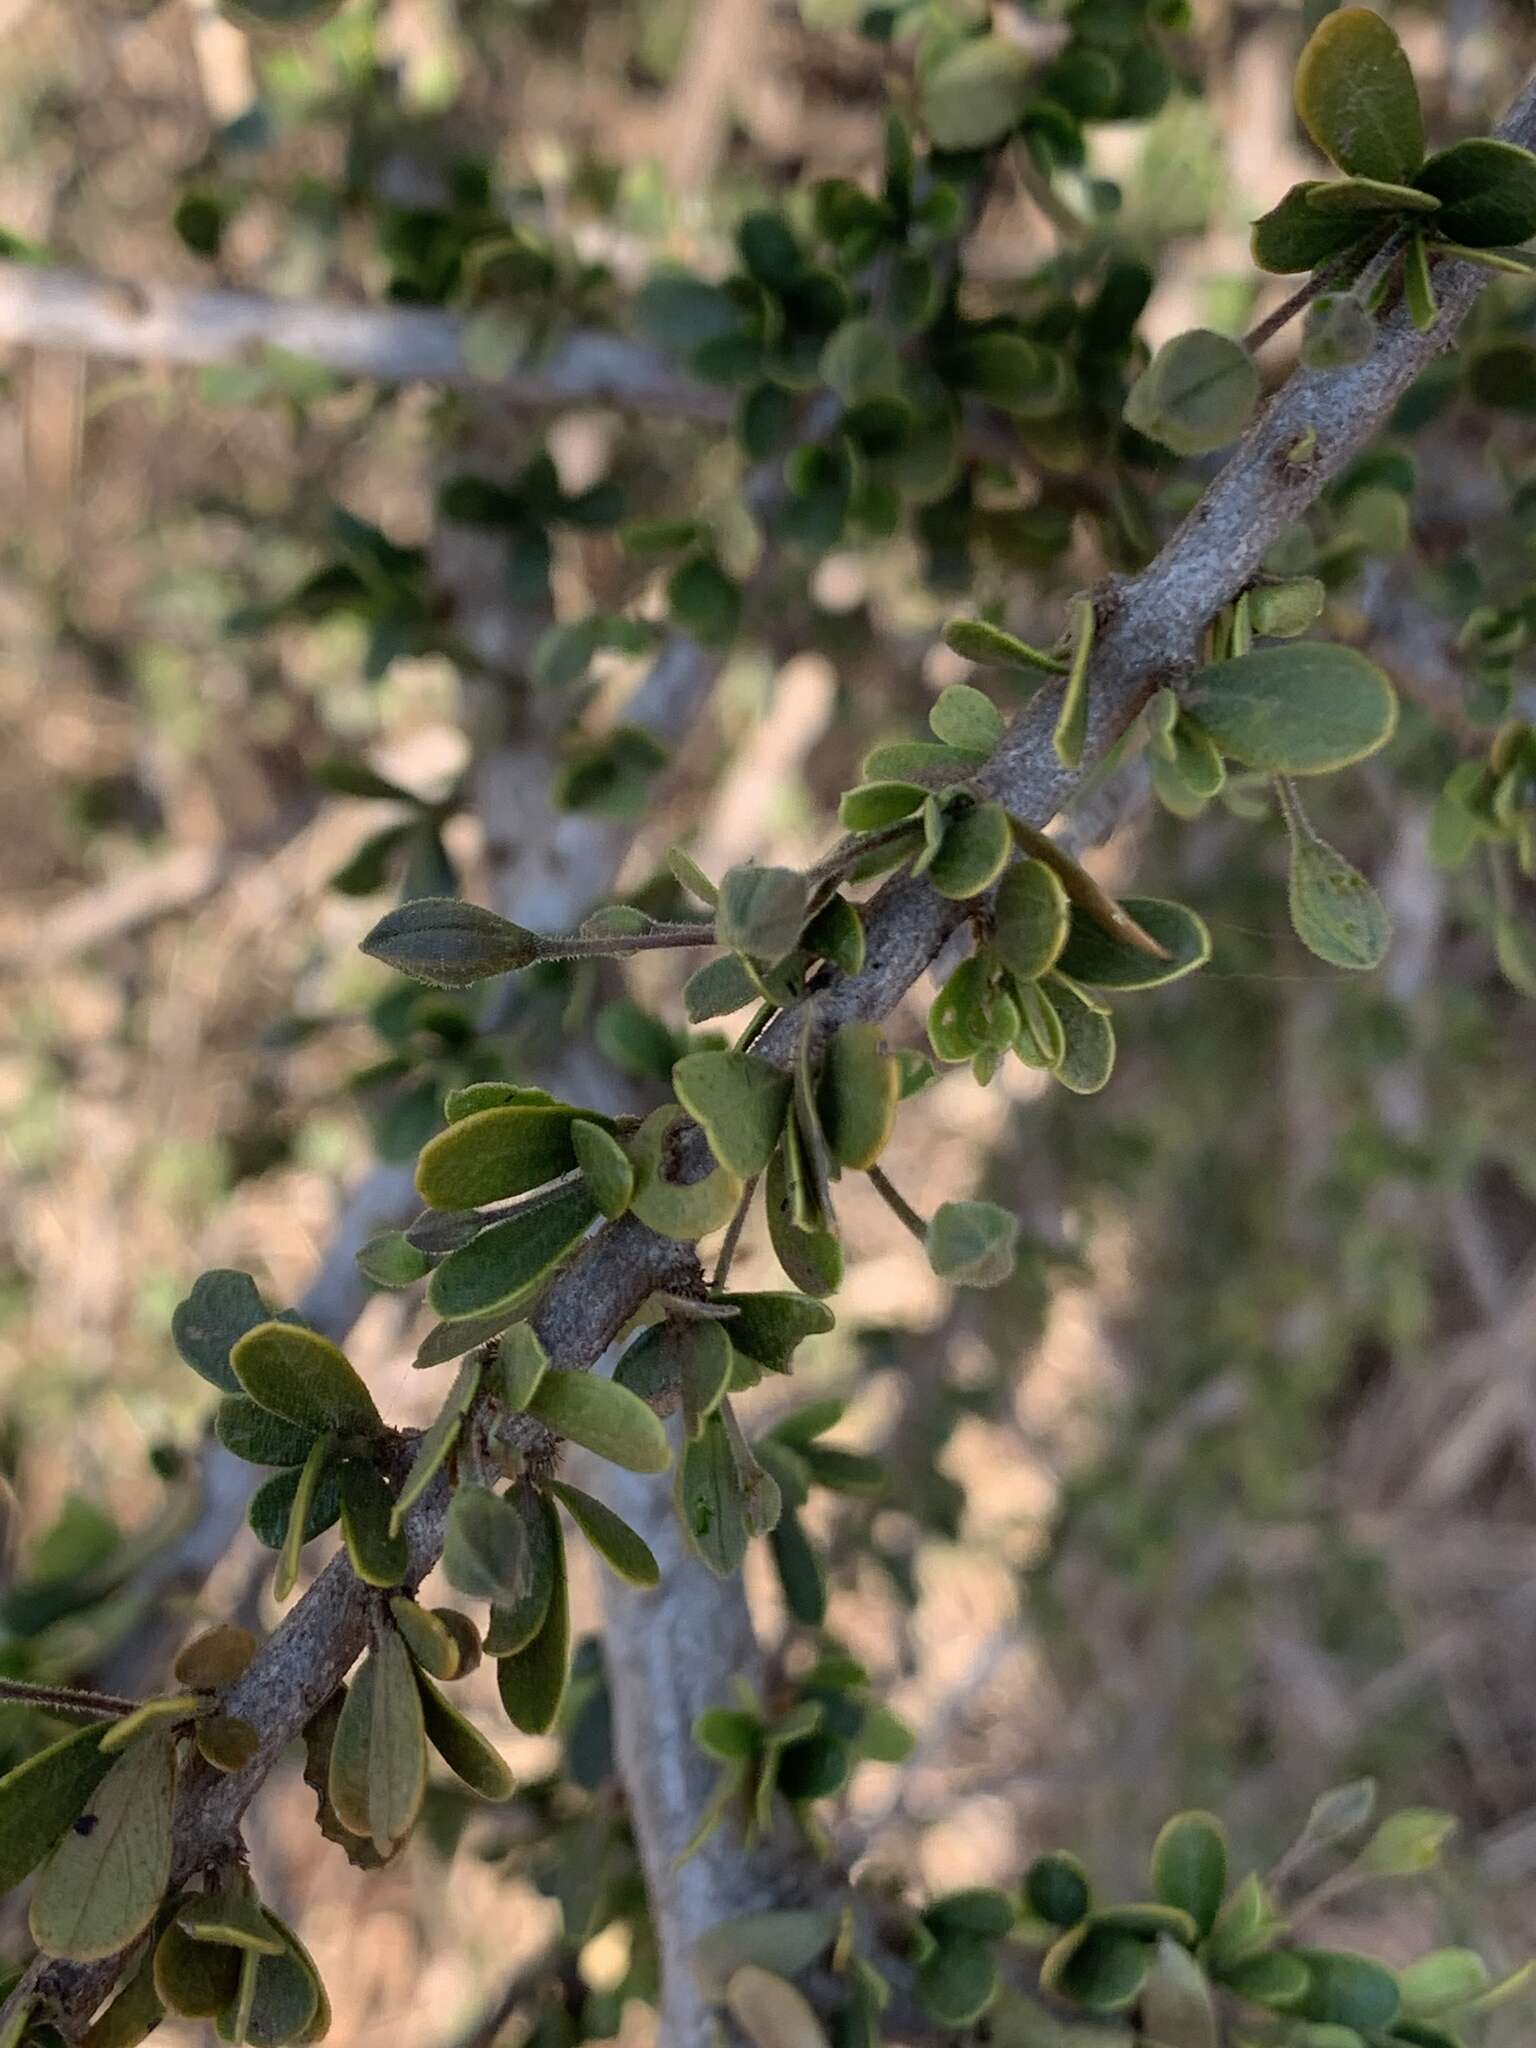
(302,1377)
(1357,99)
(103,1883)
(1306,708)
(466,1752)
(603,1418)
(43,1794)
(494,1154)
(741,1103)
(615,1542)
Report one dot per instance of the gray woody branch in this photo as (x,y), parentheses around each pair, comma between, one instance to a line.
(1149,629)
(44,308)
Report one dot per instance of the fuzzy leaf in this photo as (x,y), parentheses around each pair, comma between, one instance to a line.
(103,1883)
(472,1759)
(1487,192)
(1197,393)
(605,1163)
(973,1243)
(532,1680)
(494,1154)
(504,1264)
(760,911)
(450,944)
(978,93)
(294,1373)
(616,1543)
(603,1418)
(741,1103)
(1357,99)
(43,1794)
(1092,956)
(1303,709)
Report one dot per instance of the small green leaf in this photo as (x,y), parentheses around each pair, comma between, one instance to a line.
(103,1883)
(1093,957)
(230,1918)
(1072,719)
(1176,2009)
(603,1418)
(909,760)
(1445,1980)
(1031,917)
(965,717)
(1340,1812)
(183,1706)
(494,1154)
(194,1979)
(958,1981)
(485,1549)
(704,600)
(449,944)
(1487,192)
(1514,946)
(1296,235)
(222,1306)
(1357,99)
(519,1365)
(717,989)
(741,1103)
(1347,1990)
(856,1095)
(1277,1979)
(603,1160)
(389,1259)
(615,1542)
(1303,709)
(770,2012)
(760,911)
(437,1442)
(981,1913)
(991,647)
(1102,1968)
(1337,331)
(974,1244)
(252,1432)
(433,1646)
(378,1769)
(43,1794)
(376,1549)
(1419,286)
(1282,610)
(724,1497)
(294,1373)
(973,851)
(1336,913)
(768,1327)
(686,1210)
(1197,393)
(1370,195)
(216,1658)
(875,804)
(1407,1844)
(976,94)
(1189,1866)
(784,1939)
(272,1507)
(505,1263)
(226,1741)
(1088,1048)
(512,1628)
(317,1466)
(472,1759)
(532,1679)
(1056,1888)
(812,1259)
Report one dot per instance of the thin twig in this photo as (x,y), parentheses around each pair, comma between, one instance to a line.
(897,1203)
(733,1236)
(67,1699)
